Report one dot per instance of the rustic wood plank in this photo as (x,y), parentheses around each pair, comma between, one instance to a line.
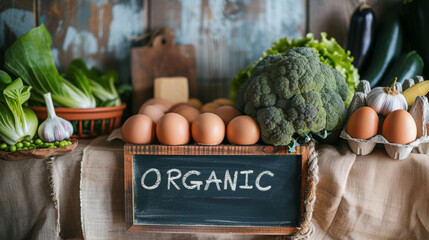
(227,35)
(162,59)
(195,149)
(199,150)
(333,16)
(99,32)
(129,150)
(16,18)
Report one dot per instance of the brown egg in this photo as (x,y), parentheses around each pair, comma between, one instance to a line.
(178,105)
(161,107)
(173,129)
(209,107)
(195,102)
(165,103)
(363,123)
(399,127)
(227,113)
(223,102)
(208,129)
(189,112)
(152,111)
(138,129)
(243,130)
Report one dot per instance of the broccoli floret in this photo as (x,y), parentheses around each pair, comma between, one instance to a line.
(293,94)
(306,112)
(337,111)
(275,129)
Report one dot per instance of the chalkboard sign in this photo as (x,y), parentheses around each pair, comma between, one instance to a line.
(221,189)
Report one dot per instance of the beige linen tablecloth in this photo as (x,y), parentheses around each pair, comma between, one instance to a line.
(364,197)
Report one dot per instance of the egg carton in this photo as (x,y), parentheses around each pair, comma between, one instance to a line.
(419,111)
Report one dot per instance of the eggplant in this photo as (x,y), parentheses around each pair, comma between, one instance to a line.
(416,14)
(361,34)
(387,47)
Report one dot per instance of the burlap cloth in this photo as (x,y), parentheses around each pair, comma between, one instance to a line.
(80,195)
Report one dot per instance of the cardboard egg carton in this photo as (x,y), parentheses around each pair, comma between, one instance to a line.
(419,110)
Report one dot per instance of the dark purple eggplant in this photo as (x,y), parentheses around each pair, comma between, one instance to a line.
(361,34)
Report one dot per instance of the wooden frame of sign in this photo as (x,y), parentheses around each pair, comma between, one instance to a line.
(151,203)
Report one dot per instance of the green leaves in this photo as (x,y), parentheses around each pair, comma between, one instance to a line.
(30,58)
(329,51)
(101,86)
(5,79)
(16,123)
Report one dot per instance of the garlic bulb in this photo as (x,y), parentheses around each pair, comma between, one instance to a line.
(386,99)
(54,128)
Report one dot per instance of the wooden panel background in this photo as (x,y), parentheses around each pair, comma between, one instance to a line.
(333,16)
(227,34)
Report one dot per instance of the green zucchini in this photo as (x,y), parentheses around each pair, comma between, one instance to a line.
(408,65)
(388,46)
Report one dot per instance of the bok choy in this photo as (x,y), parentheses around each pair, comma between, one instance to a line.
(101,85)
(16,122)
(30,58)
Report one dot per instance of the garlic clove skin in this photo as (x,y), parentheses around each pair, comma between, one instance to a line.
(57,129)
(54,128)
(384,103)
(385,100)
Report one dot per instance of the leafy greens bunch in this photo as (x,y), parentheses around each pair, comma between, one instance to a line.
(30,58)
(328,50)
(16,123)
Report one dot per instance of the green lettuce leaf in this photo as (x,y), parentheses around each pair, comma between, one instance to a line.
(329,51)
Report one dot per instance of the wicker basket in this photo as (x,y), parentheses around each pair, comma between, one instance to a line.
(87,122)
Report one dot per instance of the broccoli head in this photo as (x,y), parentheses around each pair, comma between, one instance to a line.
(293,94)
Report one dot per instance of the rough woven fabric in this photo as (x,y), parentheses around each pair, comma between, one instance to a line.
(102,197)
(65,182)
(40,197)
(372,197)
(26,207)
(363,197)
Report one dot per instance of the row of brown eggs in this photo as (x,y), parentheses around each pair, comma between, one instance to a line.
(398,127)
(176,124)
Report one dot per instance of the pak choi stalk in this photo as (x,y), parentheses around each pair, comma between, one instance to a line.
(30,58)
(102,86)
(16,122)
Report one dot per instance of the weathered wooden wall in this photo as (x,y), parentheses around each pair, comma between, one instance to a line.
(227,34)
(333,16)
